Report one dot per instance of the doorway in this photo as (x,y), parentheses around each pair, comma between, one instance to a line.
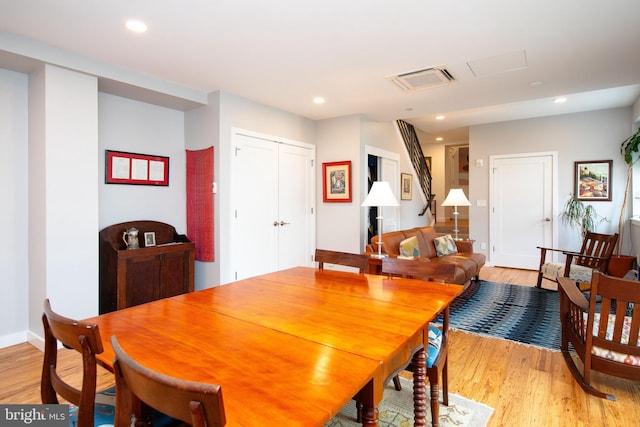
(523,206)
(273,198)
(382,165)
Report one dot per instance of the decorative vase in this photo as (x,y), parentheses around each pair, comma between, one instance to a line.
(619,265)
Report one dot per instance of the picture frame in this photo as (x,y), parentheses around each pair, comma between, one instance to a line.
(593,180)
(134,168)
(336,182)
(406,186)
(427,160)
(149,239)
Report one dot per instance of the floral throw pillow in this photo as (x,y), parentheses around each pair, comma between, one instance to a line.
(445,245)
(409,247)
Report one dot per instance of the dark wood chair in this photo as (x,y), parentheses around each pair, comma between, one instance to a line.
(85,338)
(603,330)
(194,403)
(358,261)
(594,255)
(438,337)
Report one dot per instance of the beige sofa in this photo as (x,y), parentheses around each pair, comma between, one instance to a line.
(468,263)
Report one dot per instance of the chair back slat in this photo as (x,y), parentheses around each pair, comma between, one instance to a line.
(418,269)
(597,250)
(359,261)
(198,404)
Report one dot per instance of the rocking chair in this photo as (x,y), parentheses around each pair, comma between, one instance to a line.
(604,334)
(594,255)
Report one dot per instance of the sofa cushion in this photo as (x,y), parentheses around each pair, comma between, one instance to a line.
(428,234)
(409,247)
(426,248)
(445,245)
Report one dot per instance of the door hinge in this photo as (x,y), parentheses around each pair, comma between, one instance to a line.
(311,162)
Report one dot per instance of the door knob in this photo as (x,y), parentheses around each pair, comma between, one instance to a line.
(284,223)
(275,223)
(547,220)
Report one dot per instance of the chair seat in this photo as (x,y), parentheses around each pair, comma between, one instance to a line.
(610,354)
(578,273)
(435,341)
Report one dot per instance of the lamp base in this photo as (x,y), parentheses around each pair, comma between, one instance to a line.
(378,256)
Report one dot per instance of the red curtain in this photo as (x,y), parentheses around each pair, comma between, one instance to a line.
(200,202)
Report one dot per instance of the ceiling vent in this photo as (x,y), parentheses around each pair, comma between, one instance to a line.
(423,79)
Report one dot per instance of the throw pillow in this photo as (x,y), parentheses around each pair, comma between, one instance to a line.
(409,247)
(445,245)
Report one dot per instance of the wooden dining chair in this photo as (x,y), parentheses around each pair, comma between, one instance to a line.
(436,353)
(604,331)
(87,408)
(594,255)
(359,261)
(197,404)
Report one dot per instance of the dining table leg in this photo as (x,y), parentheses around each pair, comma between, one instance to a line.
(419,388)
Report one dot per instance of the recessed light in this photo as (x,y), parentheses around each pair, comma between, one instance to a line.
(439,138)
(318,100)
(559,100)
(440,117)
(136,26)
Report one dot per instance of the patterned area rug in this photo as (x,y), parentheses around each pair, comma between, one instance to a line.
(396,410)
(518,313)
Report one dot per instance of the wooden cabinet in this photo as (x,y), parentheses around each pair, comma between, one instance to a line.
(130,277)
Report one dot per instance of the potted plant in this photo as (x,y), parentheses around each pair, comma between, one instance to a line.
(580,217)
(620,264)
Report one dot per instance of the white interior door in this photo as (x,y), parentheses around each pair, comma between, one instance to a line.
(295,204)
(272,195)
(522,208)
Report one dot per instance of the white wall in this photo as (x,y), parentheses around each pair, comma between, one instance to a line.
(63,198)
(14,207)
(338,224)
(138,127)
(594,135)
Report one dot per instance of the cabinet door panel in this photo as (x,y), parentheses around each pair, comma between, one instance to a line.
(174,274)
(143,274)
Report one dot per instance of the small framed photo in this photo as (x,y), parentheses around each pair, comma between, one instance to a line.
(149,239)
(406,184)
(593,180)
(336,182)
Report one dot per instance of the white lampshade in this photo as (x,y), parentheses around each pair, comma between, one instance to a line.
(456,197)
(380,195)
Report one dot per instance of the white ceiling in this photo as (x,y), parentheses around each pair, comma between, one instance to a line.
(283,53)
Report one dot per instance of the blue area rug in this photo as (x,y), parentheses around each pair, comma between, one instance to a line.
(518,313)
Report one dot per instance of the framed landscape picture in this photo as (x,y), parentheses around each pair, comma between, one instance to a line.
(336,182)
(593,180)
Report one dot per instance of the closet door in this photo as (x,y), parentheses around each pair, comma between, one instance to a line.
(273,199)
(295,198)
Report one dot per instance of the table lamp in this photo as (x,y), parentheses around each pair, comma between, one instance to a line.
(380,195)
(456,198)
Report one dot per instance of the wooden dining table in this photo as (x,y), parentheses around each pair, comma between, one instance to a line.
(289,348)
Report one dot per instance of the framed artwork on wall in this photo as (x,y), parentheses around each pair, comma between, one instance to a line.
(134,168)
(336,181)
(406,185)
(593,180)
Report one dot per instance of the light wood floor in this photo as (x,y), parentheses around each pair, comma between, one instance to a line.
(527,386)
